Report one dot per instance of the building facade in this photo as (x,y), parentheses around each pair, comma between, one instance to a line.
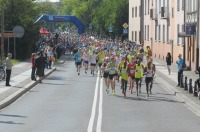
(192,29)
(135,21)
(164,22)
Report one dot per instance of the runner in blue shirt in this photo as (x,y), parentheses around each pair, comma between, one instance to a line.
(78,57)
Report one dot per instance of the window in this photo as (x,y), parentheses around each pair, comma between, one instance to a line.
(140,36)
(183,4)
(132,35)
(133,12)
(148,32)
(145,7)
(163,3)
(139,11)
(183,30)
(155,32)
(177,34)
(135,36)
(159,32)
(163,33)
(145,33)
(159,6)
(178,5)
(193,50)
(167,33)
(148,6)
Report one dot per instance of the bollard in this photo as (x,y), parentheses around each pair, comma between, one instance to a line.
(195,92)
(181,81)
(190,86)
(198,87)
(186,84)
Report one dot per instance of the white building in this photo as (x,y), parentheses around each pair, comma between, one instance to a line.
(135,15)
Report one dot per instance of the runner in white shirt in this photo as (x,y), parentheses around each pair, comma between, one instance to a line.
(93,62)
(86,59)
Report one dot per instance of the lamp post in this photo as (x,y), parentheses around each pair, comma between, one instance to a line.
(2,29)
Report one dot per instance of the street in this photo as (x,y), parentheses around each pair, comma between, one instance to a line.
(66,102)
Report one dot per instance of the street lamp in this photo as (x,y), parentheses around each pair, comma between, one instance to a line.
(2,30)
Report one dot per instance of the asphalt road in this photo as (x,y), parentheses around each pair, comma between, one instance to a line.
(66,102)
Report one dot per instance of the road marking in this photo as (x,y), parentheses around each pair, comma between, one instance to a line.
(99,119)
(91,122)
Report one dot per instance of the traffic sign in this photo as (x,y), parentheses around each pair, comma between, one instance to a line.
(125,31)
(125,25)
(110,29)
(18,31)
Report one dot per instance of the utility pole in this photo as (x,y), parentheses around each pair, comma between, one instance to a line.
(2,30)
(197,37)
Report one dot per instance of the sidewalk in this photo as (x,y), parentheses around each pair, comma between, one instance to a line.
(20,82)
(162,74)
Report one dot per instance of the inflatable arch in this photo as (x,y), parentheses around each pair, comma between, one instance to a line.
(57,18)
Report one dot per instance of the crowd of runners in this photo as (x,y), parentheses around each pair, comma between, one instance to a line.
(125,62)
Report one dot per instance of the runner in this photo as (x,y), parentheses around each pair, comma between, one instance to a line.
(121,63)
(86,60)
(100,58)
(77,57)
(112,68)
(149,71)
(93,62)
(138,75)
(131,66)
(154,70)
(105,72)
(124,77)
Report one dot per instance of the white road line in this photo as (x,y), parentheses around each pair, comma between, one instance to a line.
(91,122)
(99,119)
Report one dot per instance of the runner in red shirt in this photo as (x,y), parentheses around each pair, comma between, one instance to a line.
(131,73)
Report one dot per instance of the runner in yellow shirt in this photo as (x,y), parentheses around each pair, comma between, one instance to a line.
(124,77)
(100,58)
(139,68)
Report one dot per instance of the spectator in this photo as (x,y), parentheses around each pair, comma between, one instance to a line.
(180,68)
(8,67)
(39,64)
(33,67)
(169,62)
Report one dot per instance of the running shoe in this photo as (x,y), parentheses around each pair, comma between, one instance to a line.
(107,90)
(150,91)
(78,73)
(124,94)
(113,93)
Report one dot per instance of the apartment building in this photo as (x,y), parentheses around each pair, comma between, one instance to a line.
(162,25)
(192,29)
(167,26)
(135,21)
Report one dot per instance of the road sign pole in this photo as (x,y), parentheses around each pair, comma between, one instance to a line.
(2,30)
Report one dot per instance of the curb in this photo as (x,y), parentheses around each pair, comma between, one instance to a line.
(13,97)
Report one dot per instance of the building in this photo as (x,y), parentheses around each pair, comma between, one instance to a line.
(167,26)
(192,31)
(135,21)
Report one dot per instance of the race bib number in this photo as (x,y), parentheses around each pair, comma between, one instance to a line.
(112,72)
(79,58)
(132,71)
(124,71)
